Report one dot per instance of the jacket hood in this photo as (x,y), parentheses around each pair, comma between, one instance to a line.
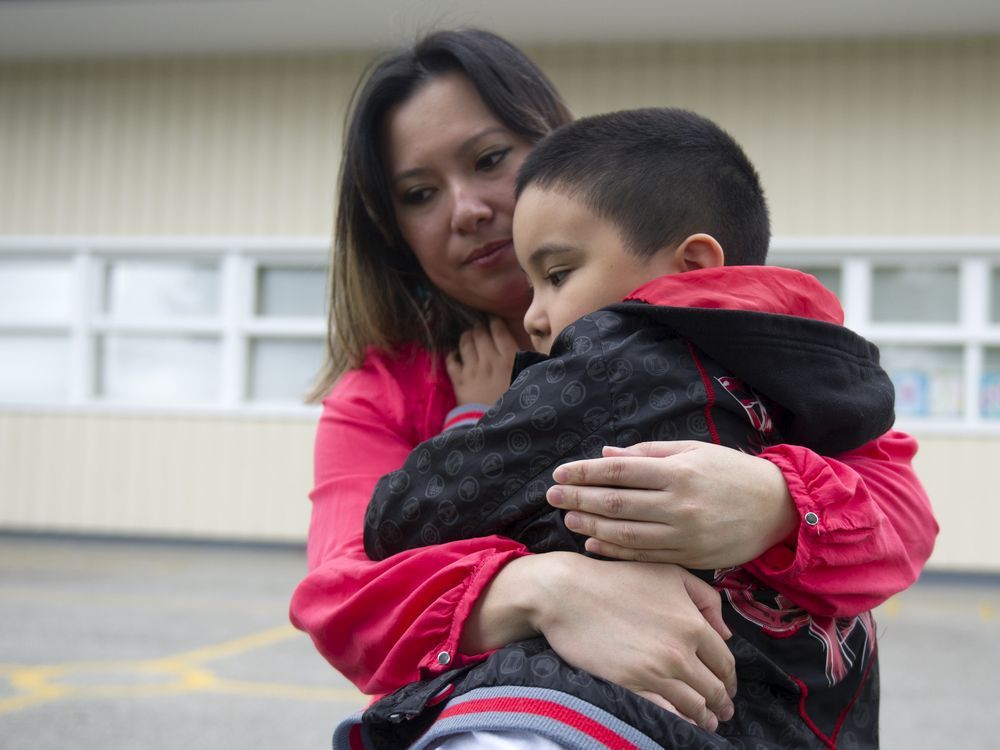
(779,331)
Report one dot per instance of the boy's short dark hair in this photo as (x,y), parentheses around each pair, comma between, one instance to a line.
(660,175)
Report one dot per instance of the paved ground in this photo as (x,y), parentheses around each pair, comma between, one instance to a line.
(131,645)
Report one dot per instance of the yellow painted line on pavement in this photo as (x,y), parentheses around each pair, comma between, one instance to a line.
(237,645)
(180,674)
(892,608)
(986,611)
(301,692)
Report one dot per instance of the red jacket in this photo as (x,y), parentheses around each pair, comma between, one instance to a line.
(384,624)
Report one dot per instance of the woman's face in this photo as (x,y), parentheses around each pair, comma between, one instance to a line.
(451,166)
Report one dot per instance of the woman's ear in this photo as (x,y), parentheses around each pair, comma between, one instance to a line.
(698,251)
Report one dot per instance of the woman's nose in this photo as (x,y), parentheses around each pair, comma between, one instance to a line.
(469,211)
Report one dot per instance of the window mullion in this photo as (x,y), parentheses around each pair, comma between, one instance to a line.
(82,372)
(234,309)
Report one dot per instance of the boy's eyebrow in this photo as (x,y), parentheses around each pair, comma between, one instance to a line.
(540,254)
(463,147)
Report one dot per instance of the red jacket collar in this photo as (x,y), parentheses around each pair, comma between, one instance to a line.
(769,289)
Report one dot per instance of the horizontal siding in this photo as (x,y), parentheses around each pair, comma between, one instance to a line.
(857,137)
(892,137)
(962,477)
(240,478)
(206,477)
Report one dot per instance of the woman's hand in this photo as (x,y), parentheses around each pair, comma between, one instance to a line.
(481,365)
(694,504)
(654,629)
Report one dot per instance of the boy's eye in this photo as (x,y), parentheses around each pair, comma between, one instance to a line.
(416,196)
(491,159)
(556,278)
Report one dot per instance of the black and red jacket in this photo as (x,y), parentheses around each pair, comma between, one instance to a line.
(741,356)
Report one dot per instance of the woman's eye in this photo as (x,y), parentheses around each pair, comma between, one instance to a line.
(556,278)
(416,196)
(491,159)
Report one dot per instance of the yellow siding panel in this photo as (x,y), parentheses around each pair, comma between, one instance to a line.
(241,478)
(852,137)
(236,478)
(962,476)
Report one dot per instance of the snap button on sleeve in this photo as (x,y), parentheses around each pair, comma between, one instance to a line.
(444,657)
(811,518)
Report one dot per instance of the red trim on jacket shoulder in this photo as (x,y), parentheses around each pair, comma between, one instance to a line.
(769,289)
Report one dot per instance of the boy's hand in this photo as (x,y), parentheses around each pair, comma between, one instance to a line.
(481,365)
(685,502)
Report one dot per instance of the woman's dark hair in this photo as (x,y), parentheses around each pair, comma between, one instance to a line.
(380,295)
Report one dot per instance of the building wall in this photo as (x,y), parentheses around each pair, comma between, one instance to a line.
(206,476)
(851,138)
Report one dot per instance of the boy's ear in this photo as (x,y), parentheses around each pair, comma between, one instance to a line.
(699,251)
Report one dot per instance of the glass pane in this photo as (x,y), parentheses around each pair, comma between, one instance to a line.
(288,291)
(159,369)
(829,276)
(915,295)
(995,296)
(35,289)
(35,368)
(283,369)
(989,391)
(152,288)
(928,380)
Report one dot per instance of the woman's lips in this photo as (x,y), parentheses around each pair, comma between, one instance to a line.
(489,253)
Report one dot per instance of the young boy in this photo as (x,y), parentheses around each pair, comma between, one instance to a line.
(643,234)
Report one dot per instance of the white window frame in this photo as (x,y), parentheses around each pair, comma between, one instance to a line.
(972,333)
(238,258)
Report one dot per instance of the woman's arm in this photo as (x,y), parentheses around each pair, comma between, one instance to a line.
(389,623)
(870,531)
(654,629)
(384,624)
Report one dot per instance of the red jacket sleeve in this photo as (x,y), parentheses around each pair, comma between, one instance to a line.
(867,527)
(383,624)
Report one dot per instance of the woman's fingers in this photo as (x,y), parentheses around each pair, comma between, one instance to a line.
(646,627)
(617,552)
(663,703)
(617,471)
(634,535)
(610,502)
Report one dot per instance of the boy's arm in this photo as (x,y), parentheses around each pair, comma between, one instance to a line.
(491,478)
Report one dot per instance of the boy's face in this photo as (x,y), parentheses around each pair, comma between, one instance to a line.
(576,262)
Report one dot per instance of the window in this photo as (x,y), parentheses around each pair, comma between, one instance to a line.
(239,324)
(163,324)
(902,294)
(932,307)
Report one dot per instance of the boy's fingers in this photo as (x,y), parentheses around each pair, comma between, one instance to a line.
(502,338)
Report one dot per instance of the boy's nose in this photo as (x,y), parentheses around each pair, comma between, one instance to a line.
(536,324)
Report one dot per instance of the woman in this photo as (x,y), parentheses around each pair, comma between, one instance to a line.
(423,253)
